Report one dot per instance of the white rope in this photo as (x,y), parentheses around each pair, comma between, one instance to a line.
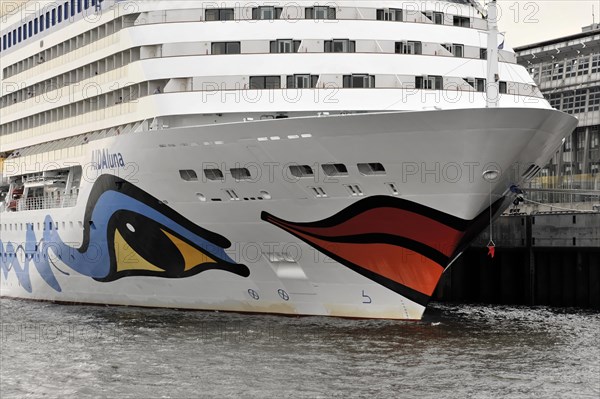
(491,228)
(553,206)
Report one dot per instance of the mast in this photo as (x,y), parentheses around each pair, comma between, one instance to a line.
(492,87)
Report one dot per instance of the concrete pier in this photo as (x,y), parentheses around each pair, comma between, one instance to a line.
(542,259)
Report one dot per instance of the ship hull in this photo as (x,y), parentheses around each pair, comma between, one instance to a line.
(366,244)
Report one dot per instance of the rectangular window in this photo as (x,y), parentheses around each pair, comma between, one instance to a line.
(502,88)
(477,83)
(594,99)
(25,32)
(219,14)
(435,17)
(429,82)
(568,102)
(359,81)
(340,46)
(60,14)
(554,100)
(546,72)
(371,169)
(86,4)
(320,12)
(20,34)
(79,6)
(265,82)
(72,8)
(226,48)
(583,66)
(558,71)
(456,49)
(30,26)
(240,174)
(335,169)
(266,13)
(4,41)
(9,41)
(285,46)
(214,174)
(570,68)
(483,54)
(462,21)
(301,171)
(391,14)
(41,23)
(408,48)
(35,26)
(54,17)
(596,63)
(66,11)
(580,98)
(188,175)
(594,137)
(302,81)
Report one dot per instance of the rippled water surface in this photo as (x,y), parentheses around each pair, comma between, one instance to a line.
(51,350)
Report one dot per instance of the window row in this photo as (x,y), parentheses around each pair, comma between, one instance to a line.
(566,69)
(325,12)
(69,46)
(97,68)
(576,101)
(52,17)
(299,171)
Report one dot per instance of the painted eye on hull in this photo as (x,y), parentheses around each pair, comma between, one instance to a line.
(143,244)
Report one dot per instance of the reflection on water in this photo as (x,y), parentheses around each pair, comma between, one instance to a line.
(456,351)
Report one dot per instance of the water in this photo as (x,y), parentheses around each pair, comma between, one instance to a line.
(456,351)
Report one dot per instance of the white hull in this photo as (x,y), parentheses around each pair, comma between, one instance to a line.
(433,158)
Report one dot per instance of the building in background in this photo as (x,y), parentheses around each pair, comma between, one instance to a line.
(567,71)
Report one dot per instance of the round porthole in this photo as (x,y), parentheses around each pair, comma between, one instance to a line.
(201,197)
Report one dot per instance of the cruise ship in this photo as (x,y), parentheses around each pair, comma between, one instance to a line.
(299,158)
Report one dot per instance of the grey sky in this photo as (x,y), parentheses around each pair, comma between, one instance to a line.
(531,21)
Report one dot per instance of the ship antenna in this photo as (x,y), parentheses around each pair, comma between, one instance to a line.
(492,90)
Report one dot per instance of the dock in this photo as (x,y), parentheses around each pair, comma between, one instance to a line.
(550,259)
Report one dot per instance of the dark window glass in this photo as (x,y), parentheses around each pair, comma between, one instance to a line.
(301,171)
(226,48)
(214,174)
(240,174)
(370,169)
(188,175)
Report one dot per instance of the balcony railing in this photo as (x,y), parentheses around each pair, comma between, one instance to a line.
(39,203)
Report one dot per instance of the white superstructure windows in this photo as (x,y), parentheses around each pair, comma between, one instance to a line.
(457,50)
(389,14)
(302,81)
(435,17)
(429,82)
(464,22)
(226,48)
(265,82)
(477,83)
(219,14)
(340,46)
(267,12)
(359,81)
(502,87)
(285,46)
(320,12)
(408,47)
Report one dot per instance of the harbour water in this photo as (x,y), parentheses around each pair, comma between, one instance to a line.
(50,350)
